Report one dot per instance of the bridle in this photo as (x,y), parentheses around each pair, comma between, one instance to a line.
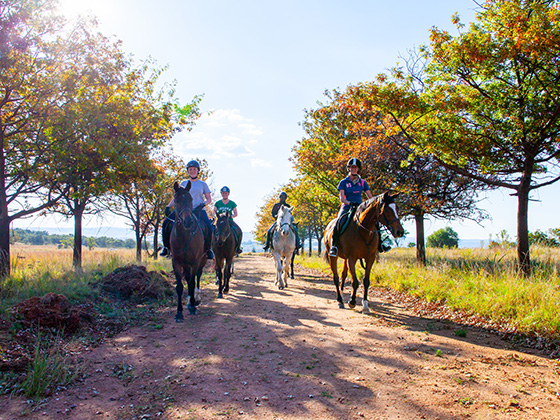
(181,221)
(371,232)
(218,231)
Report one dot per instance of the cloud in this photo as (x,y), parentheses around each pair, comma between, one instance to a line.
(220,134)
(260,163)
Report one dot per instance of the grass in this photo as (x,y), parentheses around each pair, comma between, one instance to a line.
(480,281)
(39,270)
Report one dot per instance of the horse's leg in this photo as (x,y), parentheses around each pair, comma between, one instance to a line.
(197,291)
(227,275)
(179,271)
(278,260)
(333,261)
(219,264)
(286,270)
(369,264)
(292,265)
(343,275)
(355,283)
(191,283)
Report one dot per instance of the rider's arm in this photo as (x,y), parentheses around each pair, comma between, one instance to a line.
(234,212)
(207,198)
(369,194)
(342,197)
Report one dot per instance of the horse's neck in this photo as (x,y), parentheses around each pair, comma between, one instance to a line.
(370,215)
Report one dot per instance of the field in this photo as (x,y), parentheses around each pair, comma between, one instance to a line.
(265,353)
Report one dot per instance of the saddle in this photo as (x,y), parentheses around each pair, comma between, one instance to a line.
(345,218)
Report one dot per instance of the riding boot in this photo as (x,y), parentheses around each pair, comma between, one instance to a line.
(269,237)
(333,251)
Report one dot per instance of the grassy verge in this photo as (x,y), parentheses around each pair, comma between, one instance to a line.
(476,281)
(39,270)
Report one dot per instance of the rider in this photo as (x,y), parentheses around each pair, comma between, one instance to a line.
(201,196)
(350,191)
(225,204)
(283,197)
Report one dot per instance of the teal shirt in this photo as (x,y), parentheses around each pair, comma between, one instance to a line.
(220,206)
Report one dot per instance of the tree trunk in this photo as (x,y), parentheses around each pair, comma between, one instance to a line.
(4,242)
(319,244)
(156,242)
(310,242)
(138,243)
(79,207)
(4,219)
(420,241)
(523,257)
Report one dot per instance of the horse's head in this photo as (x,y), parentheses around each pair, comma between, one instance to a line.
(182,199)
(284,219)
(389,214)
(223,228)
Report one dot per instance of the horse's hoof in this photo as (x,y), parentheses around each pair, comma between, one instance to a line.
(179,317)
(192,311)
(292,277)
(365,311)
(280,287)
(341,305)
(351,305)
(220,295)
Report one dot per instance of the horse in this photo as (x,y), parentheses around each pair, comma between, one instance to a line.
(188,255)
(283,245)
(223,244)
(361,240)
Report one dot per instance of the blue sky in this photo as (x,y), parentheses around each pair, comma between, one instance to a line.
(260,63)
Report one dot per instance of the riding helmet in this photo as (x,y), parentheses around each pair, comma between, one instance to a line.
(283,194)
(193,164)
(354,162)
(224,189)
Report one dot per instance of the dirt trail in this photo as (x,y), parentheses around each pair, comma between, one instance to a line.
(262,353)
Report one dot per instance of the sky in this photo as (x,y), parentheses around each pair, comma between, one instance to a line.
(259,64)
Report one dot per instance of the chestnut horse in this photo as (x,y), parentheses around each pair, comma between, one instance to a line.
(360,240)
(188,255)
(223,244)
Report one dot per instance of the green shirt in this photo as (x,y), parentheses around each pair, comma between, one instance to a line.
(221,207)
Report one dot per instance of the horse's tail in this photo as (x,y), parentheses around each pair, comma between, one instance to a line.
(326,255)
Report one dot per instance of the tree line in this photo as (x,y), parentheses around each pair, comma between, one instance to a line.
(34,237)
(462,115)
(84,128)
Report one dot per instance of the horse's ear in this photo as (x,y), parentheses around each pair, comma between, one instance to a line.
(291,209)
(188,186)
(176,186)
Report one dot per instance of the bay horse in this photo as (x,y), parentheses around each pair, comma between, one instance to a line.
(188,255)
(360,240)
(283,245)
(224,246)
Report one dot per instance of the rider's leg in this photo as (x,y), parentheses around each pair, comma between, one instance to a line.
(208,234)
(238,236)
(166,227)
(269,236)
(333,251)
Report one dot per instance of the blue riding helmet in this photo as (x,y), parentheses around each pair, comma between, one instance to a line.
(283,194)
(193,164)
(224,189)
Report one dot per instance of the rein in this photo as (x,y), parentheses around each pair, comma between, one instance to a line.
(182,222)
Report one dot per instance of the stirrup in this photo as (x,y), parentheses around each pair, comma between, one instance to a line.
(164,252)
(333,252)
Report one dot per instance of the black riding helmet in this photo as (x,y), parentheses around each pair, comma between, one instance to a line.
(354,162)
(284,195)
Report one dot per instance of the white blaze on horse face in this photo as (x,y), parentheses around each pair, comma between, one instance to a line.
(393,207)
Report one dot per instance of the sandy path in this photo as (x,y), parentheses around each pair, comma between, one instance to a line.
(262,353)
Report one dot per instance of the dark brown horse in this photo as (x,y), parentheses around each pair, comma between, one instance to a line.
(223,244)
(360,240)
(187,250)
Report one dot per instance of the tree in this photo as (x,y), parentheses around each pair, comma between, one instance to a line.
(112,122)
(29,94)
(361,122)
(492,111)
(443,238)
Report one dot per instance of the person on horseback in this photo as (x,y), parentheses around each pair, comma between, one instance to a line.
(283,197)
(223,205)
(201,196)
(350,191)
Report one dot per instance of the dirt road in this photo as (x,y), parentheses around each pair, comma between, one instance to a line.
(263,353)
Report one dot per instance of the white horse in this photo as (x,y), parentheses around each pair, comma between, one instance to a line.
(283,245)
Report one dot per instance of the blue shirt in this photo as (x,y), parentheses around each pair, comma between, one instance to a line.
(353,192)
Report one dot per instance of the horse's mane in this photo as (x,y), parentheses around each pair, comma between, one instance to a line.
(376,201)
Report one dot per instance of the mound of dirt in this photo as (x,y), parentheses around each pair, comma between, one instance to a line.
(134,282)
(49,311)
